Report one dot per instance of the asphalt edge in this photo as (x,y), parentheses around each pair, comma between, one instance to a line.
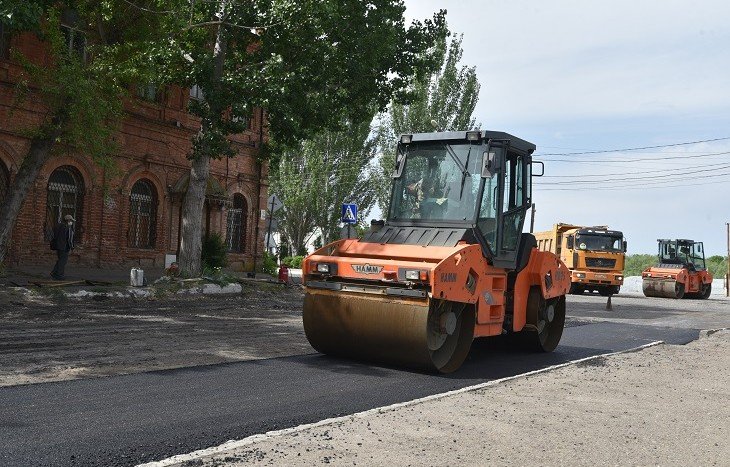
(708,332)
(235,444)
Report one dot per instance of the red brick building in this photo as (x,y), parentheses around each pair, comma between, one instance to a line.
(131,216)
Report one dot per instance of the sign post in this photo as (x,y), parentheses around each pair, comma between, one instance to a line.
(274,204)
(349,216)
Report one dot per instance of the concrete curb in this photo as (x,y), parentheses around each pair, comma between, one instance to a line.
(235,444)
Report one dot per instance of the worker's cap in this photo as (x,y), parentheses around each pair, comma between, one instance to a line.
(69,217)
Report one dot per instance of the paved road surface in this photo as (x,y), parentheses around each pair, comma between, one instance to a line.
(124,420)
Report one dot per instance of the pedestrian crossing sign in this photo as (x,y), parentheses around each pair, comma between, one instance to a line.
(349,213)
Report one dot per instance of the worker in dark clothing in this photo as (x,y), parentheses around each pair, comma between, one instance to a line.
(63,243)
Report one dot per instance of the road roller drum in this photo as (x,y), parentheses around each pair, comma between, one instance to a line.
(667,288)
(425,334)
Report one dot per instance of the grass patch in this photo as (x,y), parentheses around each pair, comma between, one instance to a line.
(167,288)
(54,294)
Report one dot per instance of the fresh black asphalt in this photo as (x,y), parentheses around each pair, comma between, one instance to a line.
(125,420)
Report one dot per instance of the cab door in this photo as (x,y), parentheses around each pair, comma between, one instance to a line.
(514,201)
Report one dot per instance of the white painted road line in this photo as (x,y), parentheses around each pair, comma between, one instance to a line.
(234,444)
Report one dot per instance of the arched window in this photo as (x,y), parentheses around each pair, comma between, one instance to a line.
(142,215)
(236,224)
(65,196)
(4,181)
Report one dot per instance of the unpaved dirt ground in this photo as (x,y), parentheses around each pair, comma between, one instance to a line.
(49,338)
(44,341)
(666,405)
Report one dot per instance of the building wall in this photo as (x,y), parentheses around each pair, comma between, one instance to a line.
(153,142)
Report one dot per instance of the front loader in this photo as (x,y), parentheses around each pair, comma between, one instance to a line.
(450,264)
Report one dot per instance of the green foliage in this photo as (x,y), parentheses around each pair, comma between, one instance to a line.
(23,15)
(268,264)
(293,261)
(443,101)
(283,247)
(361,229)
(717,265)
(214,254)
(310,64)
(84,101)
(637,263)
(217,276)
(314,180)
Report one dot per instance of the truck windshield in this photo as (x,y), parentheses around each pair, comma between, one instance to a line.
(593,242)
(439,182)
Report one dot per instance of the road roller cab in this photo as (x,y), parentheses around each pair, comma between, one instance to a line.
(450,264)
(680,273)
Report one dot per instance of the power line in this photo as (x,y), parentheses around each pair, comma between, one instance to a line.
(630,182)
(634,149)
(608,161)
(626,179)
(643,185)
(628,173)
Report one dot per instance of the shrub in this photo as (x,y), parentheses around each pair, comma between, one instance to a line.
(293,261)
(268,264)
(215,252)
(637,263)
(717,265)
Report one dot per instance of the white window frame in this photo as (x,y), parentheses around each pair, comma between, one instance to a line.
(196,93)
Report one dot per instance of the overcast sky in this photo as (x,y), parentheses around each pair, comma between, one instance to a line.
(573,76)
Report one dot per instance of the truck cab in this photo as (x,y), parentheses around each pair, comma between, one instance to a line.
(595,256)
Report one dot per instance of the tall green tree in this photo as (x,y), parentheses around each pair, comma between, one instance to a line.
(318,176)
(312,64)
(81,97)
(441,101)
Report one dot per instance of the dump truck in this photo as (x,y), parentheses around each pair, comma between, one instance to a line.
(680,273)
(595,256)
(450,264)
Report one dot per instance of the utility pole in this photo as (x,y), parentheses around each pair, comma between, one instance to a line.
(727,276)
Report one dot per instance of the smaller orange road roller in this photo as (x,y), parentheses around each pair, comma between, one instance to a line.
(681,272)
(450,264)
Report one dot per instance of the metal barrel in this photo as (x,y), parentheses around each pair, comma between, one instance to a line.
(667,288)
(383,329)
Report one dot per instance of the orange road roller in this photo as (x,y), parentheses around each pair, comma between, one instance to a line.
(680,273)
(450,263)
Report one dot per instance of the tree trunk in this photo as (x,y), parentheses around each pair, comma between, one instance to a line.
(38,153)
(191,245)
